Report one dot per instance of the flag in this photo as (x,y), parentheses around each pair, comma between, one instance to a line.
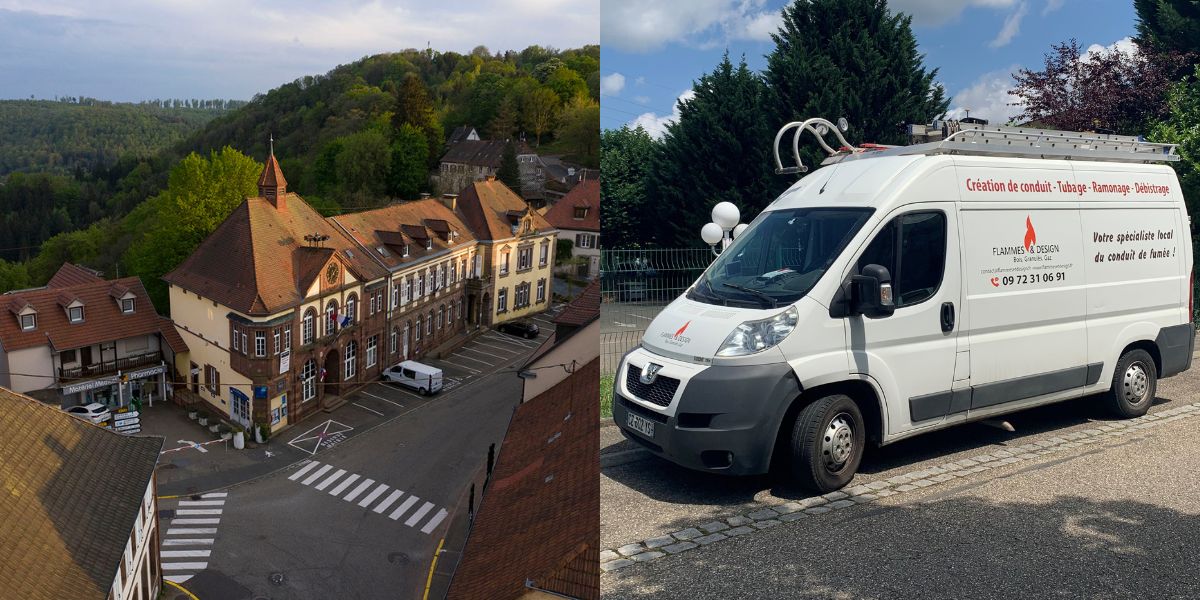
(322,374)
(345,320)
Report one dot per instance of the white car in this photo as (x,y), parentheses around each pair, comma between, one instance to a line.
(423,378)
(95,412)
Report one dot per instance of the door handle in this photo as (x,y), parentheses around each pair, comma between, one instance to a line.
(947,316)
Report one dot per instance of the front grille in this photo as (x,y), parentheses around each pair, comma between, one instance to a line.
(659,393)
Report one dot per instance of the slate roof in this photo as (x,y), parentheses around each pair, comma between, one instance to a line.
(393,226)
(487,207)
(482,153)
(587,195)
(460,134)
(538,525)
(103,320)
(72,492)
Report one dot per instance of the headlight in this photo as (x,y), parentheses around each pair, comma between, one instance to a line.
(756,336)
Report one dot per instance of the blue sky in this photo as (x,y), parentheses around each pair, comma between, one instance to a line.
(128,50)
(652,50)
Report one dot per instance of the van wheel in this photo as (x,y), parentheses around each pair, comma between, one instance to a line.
(827,443)
(422,391)
(1134,384)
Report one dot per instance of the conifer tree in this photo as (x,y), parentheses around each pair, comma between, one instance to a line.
(509,172)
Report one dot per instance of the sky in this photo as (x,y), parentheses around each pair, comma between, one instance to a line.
(652,50)
(128,51)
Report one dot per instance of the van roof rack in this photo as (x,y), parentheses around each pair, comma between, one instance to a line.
(956,137)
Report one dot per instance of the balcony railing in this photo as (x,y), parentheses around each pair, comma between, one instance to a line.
(109,367)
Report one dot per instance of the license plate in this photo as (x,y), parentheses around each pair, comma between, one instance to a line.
(640,424)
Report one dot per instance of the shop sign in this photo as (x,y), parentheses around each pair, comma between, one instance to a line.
(285,362)
(147,372)
(84,386)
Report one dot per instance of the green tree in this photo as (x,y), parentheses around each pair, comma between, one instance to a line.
(719,150)
(567,84)
(1168,26)
(14,276)
(853,59)
(506,122)
(415,107)
(409,157)
(625,156)
(1182,127)
(540,109)
(509,172)
(364,163)
(579,129)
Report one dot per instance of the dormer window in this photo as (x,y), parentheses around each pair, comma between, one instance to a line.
(580,212)
(29,322)
(405,255)
(429,243)
(127,305)
(75,314)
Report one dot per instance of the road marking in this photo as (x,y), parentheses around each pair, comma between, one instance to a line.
(512,341)
(492,355)
(394,496)
(433,523)
(328,437)
(177,578)
(185,553)
(358,490)
(473,370)
(192,531)
(317,475)
(198,511)
(201,503)
(367,409)
(328,480)
(195,521)
(373,495)
(185,566)
(382,398)
(188,542)
(500,348)
(344,484)
(215,495)
(303,470)
(416,517)
(472,359)
(403,508)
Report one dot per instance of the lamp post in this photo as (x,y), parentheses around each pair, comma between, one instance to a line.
(724,227)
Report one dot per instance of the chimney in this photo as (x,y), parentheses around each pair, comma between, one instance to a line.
(491,177)
(451,201)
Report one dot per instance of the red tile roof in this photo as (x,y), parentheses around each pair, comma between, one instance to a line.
(583,309)
(103,320)
(538,525)
(411,223)
(69,275)
(587,195)
(272,175)
(487,207)
(72,495)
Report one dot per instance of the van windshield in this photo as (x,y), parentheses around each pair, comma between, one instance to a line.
(779,257)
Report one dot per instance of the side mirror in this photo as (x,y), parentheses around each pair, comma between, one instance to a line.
(871,292)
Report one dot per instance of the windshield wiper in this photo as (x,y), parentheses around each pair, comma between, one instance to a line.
(771,303)
(711,293)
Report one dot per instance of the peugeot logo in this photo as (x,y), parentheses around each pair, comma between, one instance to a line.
(650,373)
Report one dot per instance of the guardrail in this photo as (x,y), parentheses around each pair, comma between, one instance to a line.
(109,367)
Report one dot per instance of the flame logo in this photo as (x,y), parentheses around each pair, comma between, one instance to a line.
(682,329)
(1030,234)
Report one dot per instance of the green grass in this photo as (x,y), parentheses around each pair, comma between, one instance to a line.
(606,396)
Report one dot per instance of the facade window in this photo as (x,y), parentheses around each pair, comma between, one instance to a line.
(245,344)
(76,314)
(395,294)
(212,379)
(306,326)
(581,212)
(462,271)
(394,336)
(275,338)
(260,343)
(407,293)
(504,262)
(429,323)
(351,359)
(416,330)
(351,305)
(308,379)
(371,305)
(583,240)
(521,298)
(442,275)
(420,284)
(441,316)
(460,308)
(127,305)
(234,340)
(450,314)
(453,272)
(502,300)
(545,255)
(287,337)
(28,322)
(478,266)
(541,292)
(331,317)
(372,350)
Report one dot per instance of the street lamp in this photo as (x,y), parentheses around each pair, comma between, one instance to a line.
(724,227)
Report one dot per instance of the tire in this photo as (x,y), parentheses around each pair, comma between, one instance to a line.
(422,391)
(827,443)
(529,336)
(1134,384)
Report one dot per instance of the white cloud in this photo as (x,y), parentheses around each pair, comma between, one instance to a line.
(1125,45)
(641,80)
(655,125)
(1011,27)
(933,13)
(1052,5)
(646,25)
(987,98)
(642,99)
(612,84)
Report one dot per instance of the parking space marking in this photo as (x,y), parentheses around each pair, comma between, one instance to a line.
(513,341)
(367,409)
(450,362)
(482,353)
(473,359)
(495,347)
(382,398)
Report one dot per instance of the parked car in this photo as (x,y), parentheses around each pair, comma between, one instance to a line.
(521,327)
(421,377)
(95,412)
(628,280)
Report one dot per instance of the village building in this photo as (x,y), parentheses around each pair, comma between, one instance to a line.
(83,339)
(79,516)
(285,311)
(471,160)
(577,218)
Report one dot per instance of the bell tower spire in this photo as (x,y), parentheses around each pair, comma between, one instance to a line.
(271,184)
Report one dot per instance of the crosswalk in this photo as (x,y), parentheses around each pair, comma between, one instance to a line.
(365,492)
(188,536)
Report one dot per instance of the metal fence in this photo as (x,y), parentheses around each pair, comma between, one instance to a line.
(634,286)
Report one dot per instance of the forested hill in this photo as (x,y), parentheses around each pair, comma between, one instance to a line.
(61,136)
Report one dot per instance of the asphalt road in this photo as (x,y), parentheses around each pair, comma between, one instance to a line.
(1114,517)
(386,475)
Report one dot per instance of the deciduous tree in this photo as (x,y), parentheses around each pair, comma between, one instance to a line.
(540,110)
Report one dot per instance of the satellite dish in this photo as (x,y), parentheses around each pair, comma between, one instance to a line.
(843,125)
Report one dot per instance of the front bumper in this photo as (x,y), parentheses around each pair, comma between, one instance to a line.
(720,419)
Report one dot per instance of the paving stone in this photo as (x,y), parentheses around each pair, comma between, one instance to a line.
(908,487)
(935,471)
(886,493)
(831,496)
(899,479)
(855,490)
(943,477)
(925,482)
(607,555)
(863,498)
(762,514)
(811,502)
(631,549)
(680,547)
(713,527)
(788,508)
(841,504)
(659,542)
(817,510)
(1002,453)
(1027,456)
(739,521)
(796,516)
(647,556)
(688,534)
(705,540)
(613,565)
(768,523)
(743,530)
(877,485)
(984,458)
(966,462)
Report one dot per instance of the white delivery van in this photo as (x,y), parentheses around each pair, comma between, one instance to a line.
(425,379)
(907,289)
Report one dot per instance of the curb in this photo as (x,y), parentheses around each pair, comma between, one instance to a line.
(769,515)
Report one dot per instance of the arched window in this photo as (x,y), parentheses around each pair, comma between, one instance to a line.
(351,305)
(331,317)
(308,380)
(306,326)
(450,314)
(351,359)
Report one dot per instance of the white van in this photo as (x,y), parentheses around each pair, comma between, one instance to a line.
(907,289)
(425,379)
